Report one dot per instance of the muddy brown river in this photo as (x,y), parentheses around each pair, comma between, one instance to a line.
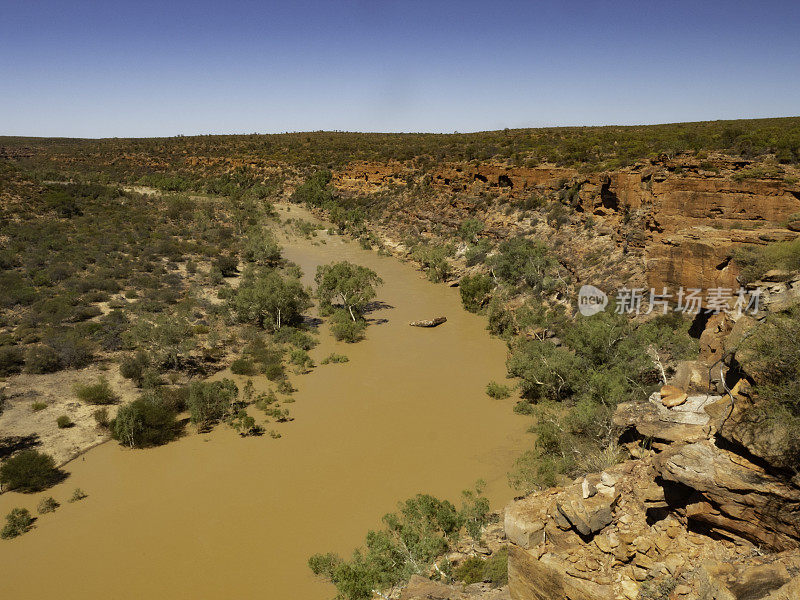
(216,516)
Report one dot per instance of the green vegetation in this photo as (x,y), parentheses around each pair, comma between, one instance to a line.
(29,471)
(335,359)
(209,403)
(349,286)
(345,329)
(497,391)
(77,495)
(434,259)
(589,148)
(64,422)
(493,570)
(755,261)
(149,420)
(96,393)
(573,390)
(38,405)
(524,261)
(47,505)
(475,291)
(101,417)
(18,521)
(772,355)
(268,300)
(412,541)
(243,366)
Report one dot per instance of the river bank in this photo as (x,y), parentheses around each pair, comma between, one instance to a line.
(215,515)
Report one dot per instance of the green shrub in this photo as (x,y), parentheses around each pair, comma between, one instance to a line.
(96,393)
(521,260)
(12,359)
(29,471)
(78,495)
(101,417)
(335,358)
(134,367)
(295,337)
(18,521)
(345,329)
(47,505)
(64,422)
(147,421)
(412,539)
(475,291)
(243,366)
(210,402)
(434,259)
(493,570)
(469,229)
(74,350)
(267,300)
(497,390)
(470,571)
(38,405)
(42,359)
(755,261)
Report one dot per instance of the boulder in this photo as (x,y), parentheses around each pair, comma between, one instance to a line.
(734,495)
(683,423)
(672,396)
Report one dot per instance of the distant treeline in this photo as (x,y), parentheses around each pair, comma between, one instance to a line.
(587,148)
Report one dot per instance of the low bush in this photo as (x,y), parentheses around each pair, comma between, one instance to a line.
(18,521)
(42,359)
(755,261)
(12,359)
(243,366)
(492,570)
(77,495)
(335,358)
(47,505)
(497,390)
(101,417)
(96,393)
(134,367)
(210,402)
(64,422)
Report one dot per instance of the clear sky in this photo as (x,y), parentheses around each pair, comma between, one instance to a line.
(142,68)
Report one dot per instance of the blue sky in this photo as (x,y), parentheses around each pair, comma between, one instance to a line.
(102,69)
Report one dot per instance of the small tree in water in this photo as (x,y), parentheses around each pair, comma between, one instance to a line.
(352,286)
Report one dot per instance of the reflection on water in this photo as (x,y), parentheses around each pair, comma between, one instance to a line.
(219,516)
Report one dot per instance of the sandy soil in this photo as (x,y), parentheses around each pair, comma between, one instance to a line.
(57,391)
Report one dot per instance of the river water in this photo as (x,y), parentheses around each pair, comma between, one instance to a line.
(216,516)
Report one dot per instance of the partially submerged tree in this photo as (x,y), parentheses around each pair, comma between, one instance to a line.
(270,301)
(29,471)
(351,286)
(210,402)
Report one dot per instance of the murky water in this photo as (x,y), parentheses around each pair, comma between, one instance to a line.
(217,516)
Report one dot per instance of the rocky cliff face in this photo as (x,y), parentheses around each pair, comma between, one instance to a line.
(705,508)
(671,222)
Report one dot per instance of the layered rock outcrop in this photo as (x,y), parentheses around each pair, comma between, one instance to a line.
(707,507)
(675,220)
